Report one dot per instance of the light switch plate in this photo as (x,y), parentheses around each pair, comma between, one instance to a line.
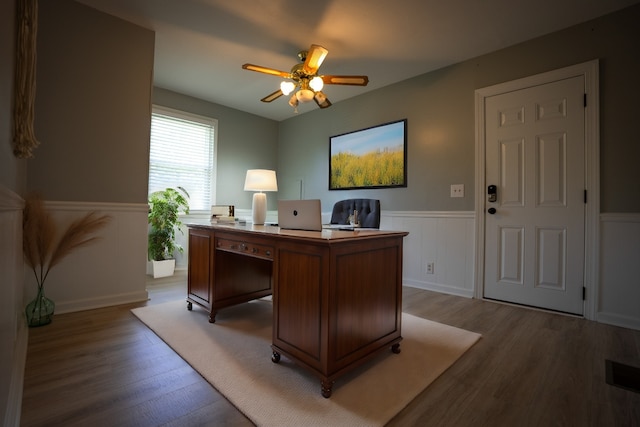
(457,190)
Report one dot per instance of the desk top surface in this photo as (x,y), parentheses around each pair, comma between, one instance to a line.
(325,234)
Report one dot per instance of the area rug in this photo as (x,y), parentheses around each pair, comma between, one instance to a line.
(234,355)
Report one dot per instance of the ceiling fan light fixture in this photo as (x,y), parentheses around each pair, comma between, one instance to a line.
(287,87)
(302,83)
(293,101)
(304,95)
(316,83)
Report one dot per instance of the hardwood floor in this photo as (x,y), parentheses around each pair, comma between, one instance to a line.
(105,368)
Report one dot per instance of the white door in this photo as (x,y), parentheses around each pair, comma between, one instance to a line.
(535,230)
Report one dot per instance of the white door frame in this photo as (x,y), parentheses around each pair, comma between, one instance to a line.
(590,71)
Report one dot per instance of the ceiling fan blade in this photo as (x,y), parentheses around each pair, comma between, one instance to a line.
(266,70)
(321,99)
(315,56)
(275,95)
(345,80)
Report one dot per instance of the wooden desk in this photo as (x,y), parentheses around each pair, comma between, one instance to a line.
(337,295)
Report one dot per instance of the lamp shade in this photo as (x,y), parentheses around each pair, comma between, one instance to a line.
(260,180)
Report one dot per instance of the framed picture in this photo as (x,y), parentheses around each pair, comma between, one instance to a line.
(374,157)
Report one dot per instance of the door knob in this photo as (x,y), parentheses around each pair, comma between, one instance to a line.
(491,210)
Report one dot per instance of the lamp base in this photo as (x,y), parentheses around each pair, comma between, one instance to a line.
(259,208)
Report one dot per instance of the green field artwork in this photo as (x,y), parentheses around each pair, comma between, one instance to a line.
(370,158)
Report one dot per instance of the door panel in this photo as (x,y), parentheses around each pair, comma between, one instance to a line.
(512,176)
(511,255)
(552,248)
(552,174)
(535,155)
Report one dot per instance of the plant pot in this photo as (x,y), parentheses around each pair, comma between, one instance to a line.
(164,268)
(40,310)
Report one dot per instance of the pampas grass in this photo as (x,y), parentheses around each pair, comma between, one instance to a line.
(42,248)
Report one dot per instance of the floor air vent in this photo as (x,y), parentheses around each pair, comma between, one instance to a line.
(623,376)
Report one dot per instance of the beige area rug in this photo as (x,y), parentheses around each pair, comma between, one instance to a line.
(234,355)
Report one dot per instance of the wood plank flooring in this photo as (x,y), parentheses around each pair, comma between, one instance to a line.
(531,368)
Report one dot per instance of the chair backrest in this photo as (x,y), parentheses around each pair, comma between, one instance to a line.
(368,212)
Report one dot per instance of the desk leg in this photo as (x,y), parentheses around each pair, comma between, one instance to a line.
(326,387)
(212,316)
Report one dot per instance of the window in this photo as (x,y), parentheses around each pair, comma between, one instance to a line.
(183,153)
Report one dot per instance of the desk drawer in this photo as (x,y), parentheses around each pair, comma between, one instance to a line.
(245,248)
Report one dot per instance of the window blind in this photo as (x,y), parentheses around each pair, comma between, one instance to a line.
(182,153)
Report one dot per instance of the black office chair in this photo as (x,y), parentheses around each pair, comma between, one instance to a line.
(368,212)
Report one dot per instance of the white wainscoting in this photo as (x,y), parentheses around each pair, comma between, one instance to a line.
(13,329)
(445,239)
(442,238)
(619,296)
(111,271)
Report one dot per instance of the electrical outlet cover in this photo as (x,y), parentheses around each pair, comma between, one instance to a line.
(457,190)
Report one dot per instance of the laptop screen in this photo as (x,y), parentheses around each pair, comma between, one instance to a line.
(300,214)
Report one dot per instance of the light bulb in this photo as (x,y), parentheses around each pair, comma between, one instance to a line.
(287,87)
(316,83)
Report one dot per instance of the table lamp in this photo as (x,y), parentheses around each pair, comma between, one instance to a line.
(260,180)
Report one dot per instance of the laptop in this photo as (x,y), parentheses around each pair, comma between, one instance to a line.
(300,214)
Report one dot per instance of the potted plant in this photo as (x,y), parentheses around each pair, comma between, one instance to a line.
(164,209)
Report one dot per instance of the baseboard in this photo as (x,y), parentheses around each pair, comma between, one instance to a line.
(100,302)
(618,320)
(443,289)
(14,402)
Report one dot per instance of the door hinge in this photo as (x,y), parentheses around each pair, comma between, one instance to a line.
(585,100)
(584,293)
(585,196)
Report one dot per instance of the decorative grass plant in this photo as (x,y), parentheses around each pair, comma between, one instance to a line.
(43,249)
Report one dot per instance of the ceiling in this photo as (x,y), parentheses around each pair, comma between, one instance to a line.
(202,44)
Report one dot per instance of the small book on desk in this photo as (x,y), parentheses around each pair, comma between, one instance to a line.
(222,214)
(222,219)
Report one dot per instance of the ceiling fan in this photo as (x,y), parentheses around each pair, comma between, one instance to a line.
(305,78)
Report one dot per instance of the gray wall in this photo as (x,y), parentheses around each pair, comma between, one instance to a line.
(12,170)
(245,141)
(439,107)
(92,106)
(12,180)
(93,92)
